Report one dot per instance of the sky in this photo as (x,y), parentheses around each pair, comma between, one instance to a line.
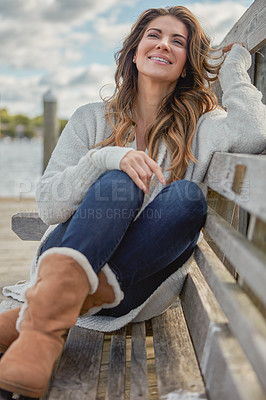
(68,46)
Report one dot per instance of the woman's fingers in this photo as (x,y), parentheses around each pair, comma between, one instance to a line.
(140,167)
(136,179)
(156,169)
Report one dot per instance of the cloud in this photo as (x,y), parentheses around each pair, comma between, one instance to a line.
(72,87)
(46,34)
(21,95)
(78,10)
(115,32)
(39,44)
(56,43)
(79,77)
(217,18)
(16,8)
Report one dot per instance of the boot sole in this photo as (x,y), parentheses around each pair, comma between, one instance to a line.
(22,390)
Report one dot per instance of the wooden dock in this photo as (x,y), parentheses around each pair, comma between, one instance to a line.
(15,255)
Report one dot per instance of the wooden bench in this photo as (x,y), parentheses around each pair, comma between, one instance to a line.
(211,344)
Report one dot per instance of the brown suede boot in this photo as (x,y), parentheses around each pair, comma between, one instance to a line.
(107,295)
(65,278)
(108,288)
(8,331)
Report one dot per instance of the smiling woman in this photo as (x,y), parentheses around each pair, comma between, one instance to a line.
(121,192)
(156,98)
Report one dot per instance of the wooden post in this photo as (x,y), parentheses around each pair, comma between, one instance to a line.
(50,125)
(260,74)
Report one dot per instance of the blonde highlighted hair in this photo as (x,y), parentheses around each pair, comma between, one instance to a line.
(177,117)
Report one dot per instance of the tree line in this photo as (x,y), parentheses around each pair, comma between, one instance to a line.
(22,126)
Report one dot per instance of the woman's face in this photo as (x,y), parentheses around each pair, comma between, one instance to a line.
(162,52)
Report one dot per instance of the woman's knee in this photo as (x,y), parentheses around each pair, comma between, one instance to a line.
(190,197)
(117,186)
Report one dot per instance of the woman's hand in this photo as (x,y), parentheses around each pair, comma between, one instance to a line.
(229,46)
(140,167)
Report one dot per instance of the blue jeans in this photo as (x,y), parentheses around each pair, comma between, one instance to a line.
(143,252)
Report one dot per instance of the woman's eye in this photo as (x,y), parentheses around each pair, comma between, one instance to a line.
(179,42)
(152,35)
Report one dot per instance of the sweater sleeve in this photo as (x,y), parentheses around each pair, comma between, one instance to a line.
(74,166)
(242,127)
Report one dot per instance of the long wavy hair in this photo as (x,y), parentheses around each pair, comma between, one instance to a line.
(179,112)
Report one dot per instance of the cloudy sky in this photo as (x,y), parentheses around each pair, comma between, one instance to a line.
(68,46)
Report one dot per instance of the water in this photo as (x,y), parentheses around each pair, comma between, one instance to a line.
(20,167)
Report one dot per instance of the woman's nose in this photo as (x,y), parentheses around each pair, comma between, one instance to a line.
(163,44)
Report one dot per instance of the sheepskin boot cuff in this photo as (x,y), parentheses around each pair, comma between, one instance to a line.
(66,251)
(80,259)
(119,295)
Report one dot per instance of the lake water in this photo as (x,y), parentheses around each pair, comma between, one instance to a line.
(20,167)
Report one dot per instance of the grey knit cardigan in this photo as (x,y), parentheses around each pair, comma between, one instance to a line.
(74,166)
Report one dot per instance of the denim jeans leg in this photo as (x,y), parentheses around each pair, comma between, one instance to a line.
(100,222)
(55,237)
(138,293)
(158,242)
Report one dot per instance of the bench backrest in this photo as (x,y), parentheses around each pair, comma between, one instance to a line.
(224,298)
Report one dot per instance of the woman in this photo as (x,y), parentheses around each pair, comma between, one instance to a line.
(122,184)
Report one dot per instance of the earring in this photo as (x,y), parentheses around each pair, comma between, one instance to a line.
(184,74)
(134,60)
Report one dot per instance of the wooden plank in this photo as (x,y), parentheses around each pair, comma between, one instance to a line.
(117,367)
(77,375)
(226,371)
(243,221)
(259,234)
(250,28)
(260,72)
(139,379)
(178,374)
(15,255)
(229,211)
(251,195)
(200,309)
(240,252)
(217,86)
(245,321)
(28,226)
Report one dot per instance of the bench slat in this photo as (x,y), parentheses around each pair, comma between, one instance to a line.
(239,178)
(28,226)
(77,374)
(139,377)
(240,252)
(261,73)
(117,367)
(200,308)
(245,321)
(178,375)
(250,28)
(227,372)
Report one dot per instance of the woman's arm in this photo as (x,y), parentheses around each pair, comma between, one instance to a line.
(73,167)
(242,127)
